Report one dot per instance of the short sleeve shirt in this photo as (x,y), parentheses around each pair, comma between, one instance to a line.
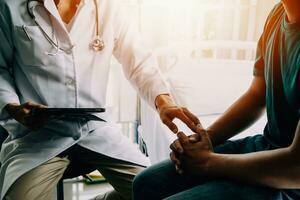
(278,61)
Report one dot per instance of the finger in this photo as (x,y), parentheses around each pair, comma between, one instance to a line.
(180,115)
(195,138)
(174,159)
(204,136)
(25,111)
(183,139)
(200,128)
(179,170)
(177,147)
(31,104)
(170,125)
(191,116)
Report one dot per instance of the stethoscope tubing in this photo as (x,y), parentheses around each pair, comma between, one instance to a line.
(30,11)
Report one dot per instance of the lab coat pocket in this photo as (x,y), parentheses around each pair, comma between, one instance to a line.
(33,47)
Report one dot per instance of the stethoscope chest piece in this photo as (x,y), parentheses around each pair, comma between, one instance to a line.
(98,44)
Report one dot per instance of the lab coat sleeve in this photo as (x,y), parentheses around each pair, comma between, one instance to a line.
(139,64)
(8,92)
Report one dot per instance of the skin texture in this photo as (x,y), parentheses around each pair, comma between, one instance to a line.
(168,111)
(67,9)
(22,113)
(275,168)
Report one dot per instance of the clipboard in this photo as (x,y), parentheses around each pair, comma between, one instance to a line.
(69,113)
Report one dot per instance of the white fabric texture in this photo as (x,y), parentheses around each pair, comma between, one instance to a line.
(73,78)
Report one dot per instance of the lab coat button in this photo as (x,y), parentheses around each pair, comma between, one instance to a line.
(70,82)
(69,51)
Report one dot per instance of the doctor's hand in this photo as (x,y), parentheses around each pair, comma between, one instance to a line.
(22,114)
(168,111)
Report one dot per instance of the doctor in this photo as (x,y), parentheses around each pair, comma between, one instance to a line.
(57,54)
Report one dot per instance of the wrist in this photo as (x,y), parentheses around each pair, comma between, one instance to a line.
(164,100)
(212,137)
(212,164)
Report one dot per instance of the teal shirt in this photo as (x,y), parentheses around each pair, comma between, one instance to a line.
(278,60)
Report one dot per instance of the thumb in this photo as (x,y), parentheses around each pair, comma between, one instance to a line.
(30,104)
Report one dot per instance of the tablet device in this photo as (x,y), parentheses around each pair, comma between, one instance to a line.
(69,113)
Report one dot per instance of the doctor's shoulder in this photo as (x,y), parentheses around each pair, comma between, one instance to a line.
(12,8)
(12,3)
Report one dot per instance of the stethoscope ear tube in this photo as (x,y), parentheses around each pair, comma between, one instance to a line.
(29,11)
(30,7)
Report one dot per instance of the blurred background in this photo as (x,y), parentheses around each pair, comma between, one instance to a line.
(206,50)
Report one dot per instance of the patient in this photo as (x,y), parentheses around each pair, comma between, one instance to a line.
(208,167)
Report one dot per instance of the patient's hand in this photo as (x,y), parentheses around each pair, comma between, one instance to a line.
(168,111)
(197,152)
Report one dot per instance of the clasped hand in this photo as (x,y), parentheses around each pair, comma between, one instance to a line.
(191,154)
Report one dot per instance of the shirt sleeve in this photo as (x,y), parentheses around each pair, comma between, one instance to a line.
(139,64)
(259,61)
(8,92)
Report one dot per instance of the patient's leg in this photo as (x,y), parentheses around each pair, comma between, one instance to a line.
(162,180)
(226,189)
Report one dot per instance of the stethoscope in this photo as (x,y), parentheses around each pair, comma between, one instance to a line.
(97,43)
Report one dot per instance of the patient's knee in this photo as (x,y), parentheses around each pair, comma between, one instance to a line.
(150,183)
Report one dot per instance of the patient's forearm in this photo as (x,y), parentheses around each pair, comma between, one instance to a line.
(241,114)
(277,168)
(274,168)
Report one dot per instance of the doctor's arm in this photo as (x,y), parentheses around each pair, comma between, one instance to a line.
(141,69)
(8,92)
(9,100)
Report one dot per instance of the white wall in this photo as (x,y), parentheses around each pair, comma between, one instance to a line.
(263,9)
(165,22)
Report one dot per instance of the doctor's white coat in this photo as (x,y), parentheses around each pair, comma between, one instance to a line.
(75,77)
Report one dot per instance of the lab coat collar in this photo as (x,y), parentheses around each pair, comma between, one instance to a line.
(51,7)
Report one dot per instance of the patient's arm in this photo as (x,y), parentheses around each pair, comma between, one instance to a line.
(243,113)
(273,168)
(277,168)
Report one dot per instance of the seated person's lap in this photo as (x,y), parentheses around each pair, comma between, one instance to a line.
(162,181)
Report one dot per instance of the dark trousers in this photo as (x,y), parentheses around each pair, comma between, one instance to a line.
(162,182)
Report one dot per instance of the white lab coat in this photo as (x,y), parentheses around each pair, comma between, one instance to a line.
(75,78)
